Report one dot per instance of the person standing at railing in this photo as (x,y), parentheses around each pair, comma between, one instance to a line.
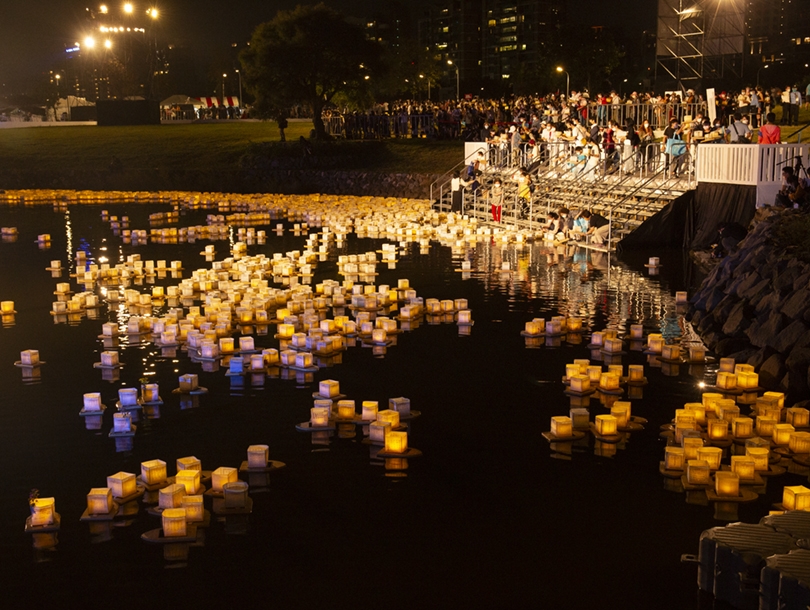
(455,192)
(770,132)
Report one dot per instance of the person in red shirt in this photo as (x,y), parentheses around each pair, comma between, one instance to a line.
(770,132)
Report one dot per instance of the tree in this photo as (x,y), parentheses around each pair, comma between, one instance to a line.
(306,56)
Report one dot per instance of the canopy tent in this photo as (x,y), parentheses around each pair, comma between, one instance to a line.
(230,101)
(208,102)
(180,100)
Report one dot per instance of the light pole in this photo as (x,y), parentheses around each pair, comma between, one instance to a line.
(240,87)
(423,76)
(567,81)
(458,90)
(224,76)
(760,70)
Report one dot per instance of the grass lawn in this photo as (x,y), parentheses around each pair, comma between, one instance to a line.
(205,146)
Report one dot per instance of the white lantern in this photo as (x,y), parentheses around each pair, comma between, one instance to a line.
(235,494)
(370,409)
(329,388)
(92,401)
(122,484)
(153,472)
(99,501)
(188,382)
(378,430)
(174,522)
(257,456)
(189,479)
(220,476)
(246,344)
(171,496)
(109,359)
(193,506)
(579,383)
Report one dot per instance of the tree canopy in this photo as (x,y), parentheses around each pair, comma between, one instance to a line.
(306,56)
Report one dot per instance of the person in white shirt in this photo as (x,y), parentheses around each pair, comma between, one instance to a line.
(795,104)
(785,107)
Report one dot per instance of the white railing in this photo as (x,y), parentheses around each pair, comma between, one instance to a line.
(758,165)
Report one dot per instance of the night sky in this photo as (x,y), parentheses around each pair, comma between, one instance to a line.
(33,33)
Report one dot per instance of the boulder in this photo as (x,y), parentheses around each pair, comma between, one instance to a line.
(729,345)
(772,371)
(737,320)
(762,334)
(797,303)
(790,335)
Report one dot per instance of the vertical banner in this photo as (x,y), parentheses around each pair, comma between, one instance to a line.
(712,105)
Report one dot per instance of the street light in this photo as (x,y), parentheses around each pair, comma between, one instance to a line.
(760,70)
(224,76)
(128,8)
(240,87)
(567,81)
(423,76)
(458,93)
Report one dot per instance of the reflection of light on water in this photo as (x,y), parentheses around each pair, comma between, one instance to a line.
(69,241)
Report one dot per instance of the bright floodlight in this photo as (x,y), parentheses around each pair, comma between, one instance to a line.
(128,8)
(559,69)
(153,13)
(108,44)
(89,42)
(449,62)
(57,76)
(102,9)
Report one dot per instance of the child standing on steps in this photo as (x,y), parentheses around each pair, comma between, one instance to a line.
(496,200)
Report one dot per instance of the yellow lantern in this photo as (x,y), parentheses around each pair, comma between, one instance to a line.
(698,410)
(226,345)
(99,501)
(153,472)
(562,426)
(285,331)
(171,496)
(796,497)
(778,397)
(174,522)
(717,429)
(219,477)
(743,466)
(609,381)
(595,374)
(122,484)
(765,425)
(760,457)
(798,417)
(329,388)
(303,360)
(655,343)
(742,427)
(781,434)
(674,458)
(396,442)
(726,484)
(613,346)
(671,352)
(712,456)
(726,381)
(190,479)
(635,372)
(606,425)
(188,463)
(799,442)
(697,472)
(727,409)
(691,446)
(574,325)
(43,511)
(193,505)
(747,380)
(389,415)
(579,383)
(709,400)
(636,332)
(319,416)
(621,411)
(346,409)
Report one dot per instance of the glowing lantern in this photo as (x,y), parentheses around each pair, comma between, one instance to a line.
(193,506)
(319,416)
(190,479)
(99,501)
(346,409)
(670,352)
(698,410)
(303,360)
(685,416)
(726,484)
(92,401)
(562,426)
(727,409)
(7,307)
(43,511)
(109,359)
(709,400)
(798,417)
(378,335)
(389,415)
(747,380)
(153,472)
(742,427)
(235,494)
(691,445)
(151,392)
(209,350)
(760,457)
(188,463)
(174,522)
(799,442)
(329,388)
(288,357)
(171,496)
(765,425)
(122,484)
(534,328)
(683,428)
(636,332)
(574,325)
(598,339)
(188,382)
(711,455)
(779,397)
(697,472)
(236,366)
(655,343)
(727,365)
(246,344)
(717,429)
(726,381)
(378,430)
(674,458)
(613,346)
(743,466)
(580,418)
(270,357)
(256,362)
(621,411)
(285,331)
(257,456)
(579,383)
(796,497)
(697,353)
(396,442)
(635,372)
(609,381)
(299,340)
(220,476)
(606,425)
(370,408)
(465,316)
(781,434)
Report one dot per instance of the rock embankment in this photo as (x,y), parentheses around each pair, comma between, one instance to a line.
(755,307)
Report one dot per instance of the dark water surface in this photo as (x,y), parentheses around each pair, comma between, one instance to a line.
(488,517)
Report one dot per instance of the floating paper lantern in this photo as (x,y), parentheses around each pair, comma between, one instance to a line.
(609,381)
(744,466)
(726,381)
(573,325)
(257,456)
(190,479)
(7,307)
(465,316)
(747,380)
(346,409)
(562,426)
(742,427)
(188,463)
(319,416)
(378,335)
(299,340)
(246,344)
(256,362)
(613,346)
(329,388)
(128,397)
(798,417)
(760,457)
(220,476)
(636,331)
(670,352)
(378,430)
(226,345)
(685,416)
(799,442)
(151,392)
(765,425)
(698,472)
(99,501)
(674,458)
(580,418)
(288,357)
(370,408)
(691,446)
(29,357)
(743,368)
(92,401)
(390,416)
(109,359)
(595,374)
(796,497)
(235,494)
(122,484)
(580,383)
(606,425)
(621,411)
(698,410)
(534,327)
(108,329)
(396,442)
(43,511)
(781,434)
(727,365)
(681,297)
(583,364)
(711,455)
(285,331)
(303,360)
(635,372)
(153,472)
(683,428)
(717,429)
(571,370)
(174,522)
(193,507)
(779,397)
(188,382)
(726,484)
(598,339)
(727,409)
(236,366)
